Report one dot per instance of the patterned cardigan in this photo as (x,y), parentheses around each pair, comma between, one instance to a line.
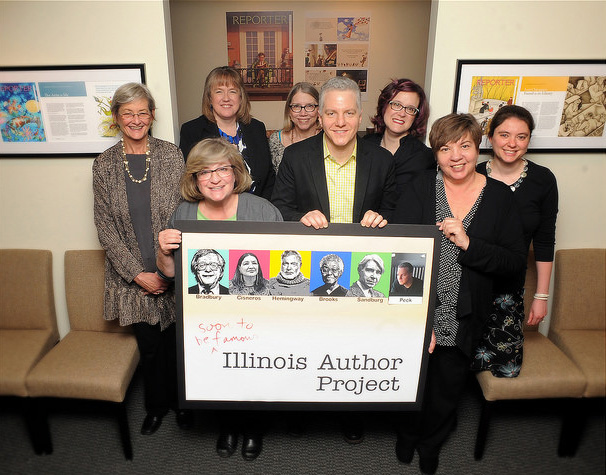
(124,299)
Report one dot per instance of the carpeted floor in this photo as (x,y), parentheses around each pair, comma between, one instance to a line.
(523,439)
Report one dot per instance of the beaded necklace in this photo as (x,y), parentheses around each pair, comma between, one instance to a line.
(233,139)
(515,185)
(126,167)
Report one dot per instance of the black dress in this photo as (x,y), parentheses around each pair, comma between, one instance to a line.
(501,347)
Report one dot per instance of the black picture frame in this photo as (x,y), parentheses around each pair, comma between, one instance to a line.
(567,99)
(210,369)
(51,111)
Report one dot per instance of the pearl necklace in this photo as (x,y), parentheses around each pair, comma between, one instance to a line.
(515,185)
(125,161)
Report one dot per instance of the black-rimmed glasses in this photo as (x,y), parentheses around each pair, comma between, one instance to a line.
(397,106)
(223,172)
(205,265)
(298,107)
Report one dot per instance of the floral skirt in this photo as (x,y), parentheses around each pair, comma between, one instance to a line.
(500,349)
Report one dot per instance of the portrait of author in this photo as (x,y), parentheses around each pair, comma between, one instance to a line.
(290,280)
(331,268)
(406,284)
(208,265)
(370,270)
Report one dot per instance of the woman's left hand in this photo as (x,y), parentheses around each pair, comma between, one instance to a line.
(537,313)
(151,283)
(453,229)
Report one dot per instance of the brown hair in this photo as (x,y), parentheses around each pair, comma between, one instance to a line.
(205,154)
(225,76)
(451,128)
(506,112)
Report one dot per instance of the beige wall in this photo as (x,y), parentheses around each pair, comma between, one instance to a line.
(398,46)
(48,203)
(528,30)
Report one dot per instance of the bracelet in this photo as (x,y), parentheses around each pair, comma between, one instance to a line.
(163,277)
(541,296)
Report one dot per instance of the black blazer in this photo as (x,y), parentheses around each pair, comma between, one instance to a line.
(256,154)
(496,247)
(301,182)
(195,290)
(411,157)
(340,291)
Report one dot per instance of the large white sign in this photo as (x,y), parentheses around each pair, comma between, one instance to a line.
(291,340)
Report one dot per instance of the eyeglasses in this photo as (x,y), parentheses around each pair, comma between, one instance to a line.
(298,107)
(131,115)
(223,172)
(204,265)
(396,106)
(332,270)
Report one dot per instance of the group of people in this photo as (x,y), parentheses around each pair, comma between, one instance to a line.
(317,170)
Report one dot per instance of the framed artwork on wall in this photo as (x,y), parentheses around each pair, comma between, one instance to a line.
(60,110)
(567,99)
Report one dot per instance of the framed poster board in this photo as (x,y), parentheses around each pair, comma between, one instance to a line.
(289,344)
(60,110)
(567,99)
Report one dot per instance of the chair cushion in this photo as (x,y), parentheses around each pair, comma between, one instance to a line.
(20,350)
(579,289)
(27,300)
(86,365)
(587,349)
(546,373)
(85,290)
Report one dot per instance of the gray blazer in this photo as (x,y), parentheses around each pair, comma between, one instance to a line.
(250,208)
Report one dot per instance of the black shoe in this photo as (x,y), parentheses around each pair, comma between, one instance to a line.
(150,424)
(185,418)
(429,465)
(405,450)
(353,436)
(227,444)
(251,447)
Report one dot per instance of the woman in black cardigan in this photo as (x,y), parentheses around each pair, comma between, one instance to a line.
(481,238)
(226,113)
(400,125)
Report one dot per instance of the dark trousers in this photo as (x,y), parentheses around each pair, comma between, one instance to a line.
(158,351)
(429,428)
(248,423)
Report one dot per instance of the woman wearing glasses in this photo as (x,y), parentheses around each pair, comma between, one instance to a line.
(226,113)
(400,123)
(214,187)
(300,120)
(136,189)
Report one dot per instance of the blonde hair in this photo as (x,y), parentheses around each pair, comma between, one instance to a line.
(305,88)
(205,154)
